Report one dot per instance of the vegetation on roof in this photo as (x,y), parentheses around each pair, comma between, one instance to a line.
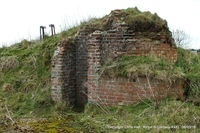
(137,21)
(136,66)
(144,21)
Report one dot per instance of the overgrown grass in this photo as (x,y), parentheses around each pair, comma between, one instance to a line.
(144,21)
(174,115)
(190,63)
(25,70)
(124,118)
(138,21)
(26,74)
(134,66)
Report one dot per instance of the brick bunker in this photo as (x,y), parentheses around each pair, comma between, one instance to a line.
(76,62)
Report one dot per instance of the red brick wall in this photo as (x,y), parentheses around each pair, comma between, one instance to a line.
(81,66)
(117,42)
(63,73)
(102,47)
(75,67)
(123,91)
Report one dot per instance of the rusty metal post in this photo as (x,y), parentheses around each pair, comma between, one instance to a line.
(42,33)
(52,29)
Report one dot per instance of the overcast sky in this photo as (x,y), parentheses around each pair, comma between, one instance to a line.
(20,19)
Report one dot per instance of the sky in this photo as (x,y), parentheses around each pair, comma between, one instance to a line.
(21,19)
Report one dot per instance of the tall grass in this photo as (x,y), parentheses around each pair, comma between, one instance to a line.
(190,63)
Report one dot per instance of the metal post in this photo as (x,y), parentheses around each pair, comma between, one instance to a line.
(52,29)
(42,33)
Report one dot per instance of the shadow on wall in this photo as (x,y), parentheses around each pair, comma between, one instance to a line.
(70,71)
(63,73)
(76,63)
(81,67)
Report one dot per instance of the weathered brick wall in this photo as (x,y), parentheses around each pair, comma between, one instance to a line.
(123,91)
(94,61)
(123,41)
(63,73)
(81,66)
(104,46)
(75,69)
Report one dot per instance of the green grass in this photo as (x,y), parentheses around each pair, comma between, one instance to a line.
(174,113)
(120,119)
(138,22)
(134,66)
(190,64)
(25,74)
(145,21)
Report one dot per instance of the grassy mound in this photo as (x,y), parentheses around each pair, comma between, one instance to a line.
(144,21)
(134,66)
(137,21)
(25,71)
